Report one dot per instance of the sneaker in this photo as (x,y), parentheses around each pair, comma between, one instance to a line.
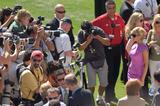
(101,102)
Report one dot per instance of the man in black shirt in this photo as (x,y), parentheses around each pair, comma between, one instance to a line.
(126,9)
(54,23)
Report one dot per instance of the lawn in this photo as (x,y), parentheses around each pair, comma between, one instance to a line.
(78,10)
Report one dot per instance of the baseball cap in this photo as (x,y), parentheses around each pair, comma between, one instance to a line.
(66,20)
(37,54)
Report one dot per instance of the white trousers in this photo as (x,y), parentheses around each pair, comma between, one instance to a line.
(153,67)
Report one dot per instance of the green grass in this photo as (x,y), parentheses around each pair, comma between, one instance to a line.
(78,10)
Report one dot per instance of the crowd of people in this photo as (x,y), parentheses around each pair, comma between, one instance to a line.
(36,59)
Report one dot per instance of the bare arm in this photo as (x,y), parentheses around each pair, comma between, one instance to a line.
(10,19)
(145,57)
(86,43)
(129,44)
(49,43)
(4,60)
(104,41)
(14,56)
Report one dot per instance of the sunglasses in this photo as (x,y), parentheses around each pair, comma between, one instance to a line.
(157,22)
(61,12)
(141,20)
(52,98)
(34,60)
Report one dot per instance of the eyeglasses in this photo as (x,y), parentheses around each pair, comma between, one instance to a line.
(111,7)
(157,22)
(61,12)
(34,60)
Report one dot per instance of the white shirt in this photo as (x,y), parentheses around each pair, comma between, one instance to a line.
(148,7)
(61,104)
(63,44)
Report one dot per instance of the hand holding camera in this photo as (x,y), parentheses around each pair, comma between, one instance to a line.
(90,38)
(41,33)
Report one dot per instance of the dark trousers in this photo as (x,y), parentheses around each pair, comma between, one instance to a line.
(144,90)
(125,61)
(99,7)
(113,57)
(158,2)
(27,102)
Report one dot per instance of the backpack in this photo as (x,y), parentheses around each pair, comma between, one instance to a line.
(20,68)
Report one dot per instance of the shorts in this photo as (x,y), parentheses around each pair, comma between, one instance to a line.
(102,75)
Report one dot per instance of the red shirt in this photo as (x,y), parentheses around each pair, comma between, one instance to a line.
(113,27)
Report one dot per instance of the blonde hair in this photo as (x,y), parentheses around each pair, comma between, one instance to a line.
(138,31)
(43,88)
(21,14)
(136,16)
(156,17)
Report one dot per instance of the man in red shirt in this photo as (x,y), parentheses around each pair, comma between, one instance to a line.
(113,25)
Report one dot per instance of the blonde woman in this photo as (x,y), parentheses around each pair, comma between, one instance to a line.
(138,52)
(136,20)
(153,41)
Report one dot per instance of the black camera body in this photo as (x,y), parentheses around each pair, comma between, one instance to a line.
(94,31)
(16,9)
(113,25)
(3,29)
(39,20)
(89,28)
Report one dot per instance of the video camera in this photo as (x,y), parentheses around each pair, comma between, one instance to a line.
(89,28)
(16,9)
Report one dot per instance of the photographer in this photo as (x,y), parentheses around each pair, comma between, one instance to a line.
(63,44)
(113,25)
(6,18)
(31,79)
(8,75)
(92,40)
(18,27)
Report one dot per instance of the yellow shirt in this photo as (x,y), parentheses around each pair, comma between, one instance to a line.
(29,82)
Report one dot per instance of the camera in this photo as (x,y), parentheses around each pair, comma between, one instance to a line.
(39,20)
(89,28)
(113,25)
(16,9)
(7,92)
(37,97)
(15,39)
(3,29)
(52,33)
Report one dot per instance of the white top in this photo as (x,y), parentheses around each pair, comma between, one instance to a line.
(61,104)
(63,44)
(148,7)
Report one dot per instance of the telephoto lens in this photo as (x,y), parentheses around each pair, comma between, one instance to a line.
(7,92)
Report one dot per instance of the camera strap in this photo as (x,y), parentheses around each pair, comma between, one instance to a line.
(55,53)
